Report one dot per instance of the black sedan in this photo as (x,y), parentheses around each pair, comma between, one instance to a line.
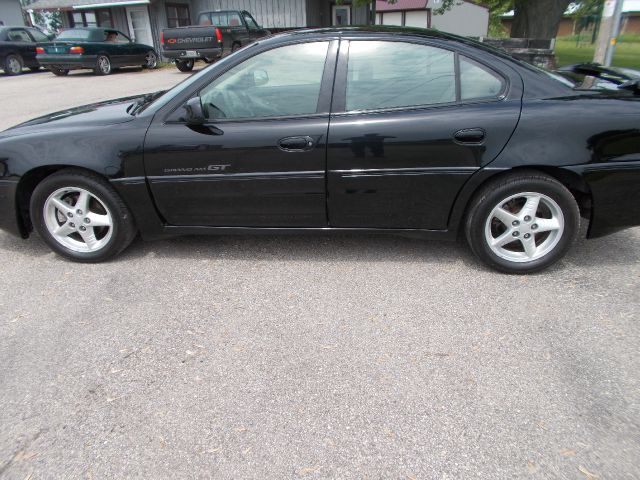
(372,130)
(18,48)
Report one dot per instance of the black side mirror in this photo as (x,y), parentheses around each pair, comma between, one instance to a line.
(194,113)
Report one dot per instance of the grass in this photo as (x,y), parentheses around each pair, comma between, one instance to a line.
(569,51)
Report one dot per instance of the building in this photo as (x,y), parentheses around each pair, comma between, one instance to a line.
(11,13)
(464,18)
(143,20)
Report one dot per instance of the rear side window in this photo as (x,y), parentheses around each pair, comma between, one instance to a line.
(76,34)
(478,82)
(38,35)
(398,74)
(384,75)
(19,36)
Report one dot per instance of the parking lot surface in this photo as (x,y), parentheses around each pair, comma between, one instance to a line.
(310,357)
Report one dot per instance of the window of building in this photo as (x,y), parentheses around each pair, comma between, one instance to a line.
(178,15)
(91,18)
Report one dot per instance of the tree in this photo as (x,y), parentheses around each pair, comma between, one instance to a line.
(531,19)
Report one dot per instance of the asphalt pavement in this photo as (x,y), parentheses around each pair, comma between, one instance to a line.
(331,356)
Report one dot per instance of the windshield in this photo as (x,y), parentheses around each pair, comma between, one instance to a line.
(75,34)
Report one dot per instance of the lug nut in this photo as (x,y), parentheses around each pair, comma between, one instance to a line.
(534,226)
(79,212)
(72,225)
(527,218)
(83,228)
(516,234)
(70,215)
(86,220)
(515,223)
(527,235)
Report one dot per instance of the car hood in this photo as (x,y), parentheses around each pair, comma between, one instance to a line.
(109,112)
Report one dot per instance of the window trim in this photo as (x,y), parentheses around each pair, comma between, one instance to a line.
(340,89)
(323,108)
(177,5)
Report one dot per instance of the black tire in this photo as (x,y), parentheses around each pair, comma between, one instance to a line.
(13,64)
(151,60)
(103,65)
(123,226)
(185,65)
(479,214)
(59,72)
(235,47)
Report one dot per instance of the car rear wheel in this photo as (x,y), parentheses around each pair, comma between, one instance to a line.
(151,60)
(103,65)
(13,64)
(81,217)
(184,65)
(522,223)
(59,72)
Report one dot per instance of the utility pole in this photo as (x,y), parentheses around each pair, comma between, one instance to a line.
(609,31)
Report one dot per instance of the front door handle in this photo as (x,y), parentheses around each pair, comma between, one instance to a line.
(296,144)
(469,136)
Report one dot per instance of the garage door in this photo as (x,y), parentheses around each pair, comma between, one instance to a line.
(419,18)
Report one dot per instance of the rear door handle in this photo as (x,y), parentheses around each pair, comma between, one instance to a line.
(469,135)
(296,144)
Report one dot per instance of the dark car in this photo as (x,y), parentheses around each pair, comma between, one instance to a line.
(372,130)
(593,76)
(18,48)
(98,49)
(216,35)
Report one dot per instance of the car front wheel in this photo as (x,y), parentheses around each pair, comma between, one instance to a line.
(13,64)
(103,65)
(184,65)
(522,223)
(81,217)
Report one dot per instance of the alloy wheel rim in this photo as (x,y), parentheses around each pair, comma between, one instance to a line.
(105,65)
(151,60)
(14,65)
(78,220)
(524,227)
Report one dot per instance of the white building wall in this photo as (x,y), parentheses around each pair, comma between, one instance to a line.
(465,19)
(11,12)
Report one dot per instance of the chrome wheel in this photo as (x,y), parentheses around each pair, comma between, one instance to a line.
(13,65)
(524,227)
(152,60)
(78,220)
(104,65)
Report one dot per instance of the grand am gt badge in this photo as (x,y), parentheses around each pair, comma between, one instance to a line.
(208,168)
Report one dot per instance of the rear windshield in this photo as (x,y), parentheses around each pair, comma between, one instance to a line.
(220,19)
(77,34)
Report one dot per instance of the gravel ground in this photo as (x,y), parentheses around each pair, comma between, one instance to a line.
(310,357)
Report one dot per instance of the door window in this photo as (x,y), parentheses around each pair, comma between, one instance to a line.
(19,36)
(251,23)
(398,74)
(284,81)
(476,81)
(38,35)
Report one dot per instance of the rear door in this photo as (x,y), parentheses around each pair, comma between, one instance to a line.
(260,158)
(23,44)
(412,122)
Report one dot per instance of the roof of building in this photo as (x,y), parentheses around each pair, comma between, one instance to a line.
(400,5)
(80,4)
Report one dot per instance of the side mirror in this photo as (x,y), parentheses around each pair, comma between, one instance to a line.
(194,113)
(260,77)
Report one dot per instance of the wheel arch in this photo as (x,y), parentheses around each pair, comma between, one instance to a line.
(27,184)
(570,179)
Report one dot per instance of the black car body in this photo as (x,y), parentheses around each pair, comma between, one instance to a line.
(354,160)
(216,34)
(18,48)
(95,48)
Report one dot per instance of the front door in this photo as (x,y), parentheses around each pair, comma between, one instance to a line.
(260,158)
(340,15)
(411,123)
(140,25)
